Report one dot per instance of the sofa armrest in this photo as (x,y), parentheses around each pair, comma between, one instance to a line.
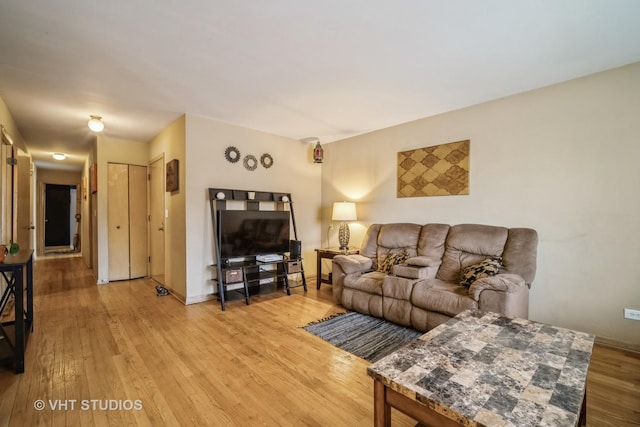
(344,265)
(353,263)
(499,282)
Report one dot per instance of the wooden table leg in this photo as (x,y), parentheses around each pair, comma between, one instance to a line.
(583,409)
(20,339)
(381,409)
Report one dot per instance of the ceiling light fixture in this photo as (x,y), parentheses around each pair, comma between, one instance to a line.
(59,156)
(95,124)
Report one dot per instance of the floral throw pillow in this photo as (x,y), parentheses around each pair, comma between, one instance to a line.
(386,266)
(488,267)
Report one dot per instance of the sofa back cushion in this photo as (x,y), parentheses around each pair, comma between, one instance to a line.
(380,240)
(369,245)
(469,244)
(432,240)
(520,253)
(458,246)
(398,238)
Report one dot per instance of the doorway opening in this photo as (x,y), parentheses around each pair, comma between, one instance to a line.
(61,222)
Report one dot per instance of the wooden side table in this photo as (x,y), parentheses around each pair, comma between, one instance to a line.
(329,253)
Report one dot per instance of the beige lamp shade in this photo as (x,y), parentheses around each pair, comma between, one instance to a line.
(344,211)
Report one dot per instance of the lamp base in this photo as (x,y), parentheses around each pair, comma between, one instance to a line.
(343,236)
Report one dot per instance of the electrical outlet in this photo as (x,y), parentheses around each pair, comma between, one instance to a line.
(631,314)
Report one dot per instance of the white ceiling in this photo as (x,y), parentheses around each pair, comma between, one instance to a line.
(296,68)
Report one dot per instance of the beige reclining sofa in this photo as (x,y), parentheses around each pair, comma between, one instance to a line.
(422,275)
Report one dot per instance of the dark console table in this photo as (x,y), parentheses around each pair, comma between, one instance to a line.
(17,272)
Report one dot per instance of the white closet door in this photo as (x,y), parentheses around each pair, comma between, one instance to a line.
(118,221)
(138,243)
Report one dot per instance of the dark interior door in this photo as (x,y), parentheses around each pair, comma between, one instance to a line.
(57,210)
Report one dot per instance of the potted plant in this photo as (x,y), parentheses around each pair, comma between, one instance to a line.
(14,248)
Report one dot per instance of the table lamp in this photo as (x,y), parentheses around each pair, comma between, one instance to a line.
(344,211)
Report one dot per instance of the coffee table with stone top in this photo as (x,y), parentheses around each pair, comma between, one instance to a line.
(484,369)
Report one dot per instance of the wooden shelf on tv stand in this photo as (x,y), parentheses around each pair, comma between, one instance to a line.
(253,272)
(252,275)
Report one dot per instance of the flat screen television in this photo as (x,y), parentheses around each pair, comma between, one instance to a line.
(250,233)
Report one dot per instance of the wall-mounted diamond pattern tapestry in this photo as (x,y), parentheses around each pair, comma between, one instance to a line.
(440,170)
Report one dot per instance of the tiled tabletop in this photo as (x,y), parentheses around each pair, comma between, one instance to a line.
(484,369)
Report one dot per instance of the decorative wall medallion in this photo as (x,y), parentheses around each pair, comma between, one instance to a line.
(232,154)
(250,162)
(266,160)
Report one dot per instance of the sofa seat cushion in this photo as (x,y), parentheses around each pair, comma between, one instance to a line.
(398,287)
(368,282)
(442,297)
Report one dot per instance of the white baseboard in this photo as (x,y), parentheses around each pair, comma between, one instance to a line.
(198,299)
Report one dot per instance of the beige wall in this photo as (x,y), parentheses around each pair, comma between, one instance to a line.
(6,120)
(171,143)
(62,177)
(293,171)
(562,160)
(111,150)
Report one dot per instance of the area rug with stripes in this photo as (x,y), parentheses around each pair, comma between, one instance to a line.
(364,336)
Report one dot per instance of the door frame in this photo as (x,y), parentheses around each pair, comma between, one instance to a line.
(24,204)
(159,187)
(41,208)
(59,191)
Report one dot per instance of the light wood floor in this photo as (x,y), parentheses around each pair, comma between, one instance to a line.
(196,365)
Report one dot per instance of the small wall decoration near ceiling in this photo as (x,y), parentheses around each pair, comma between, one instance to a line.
(250,162)
(173,183)
(440,170)
(266,160)
(232,154)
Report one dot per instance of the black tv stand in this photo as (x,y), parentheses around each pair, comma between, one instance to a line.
(246,274)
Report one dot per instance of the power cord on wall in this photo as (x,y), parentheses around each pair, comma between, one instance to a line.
(328,233)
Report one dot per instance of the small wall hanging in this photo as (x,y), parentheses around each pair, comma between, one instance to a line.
(266,160)
(232,154)
(93,171)
(318,153)
(440,170)
(250,162)
(173,176)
